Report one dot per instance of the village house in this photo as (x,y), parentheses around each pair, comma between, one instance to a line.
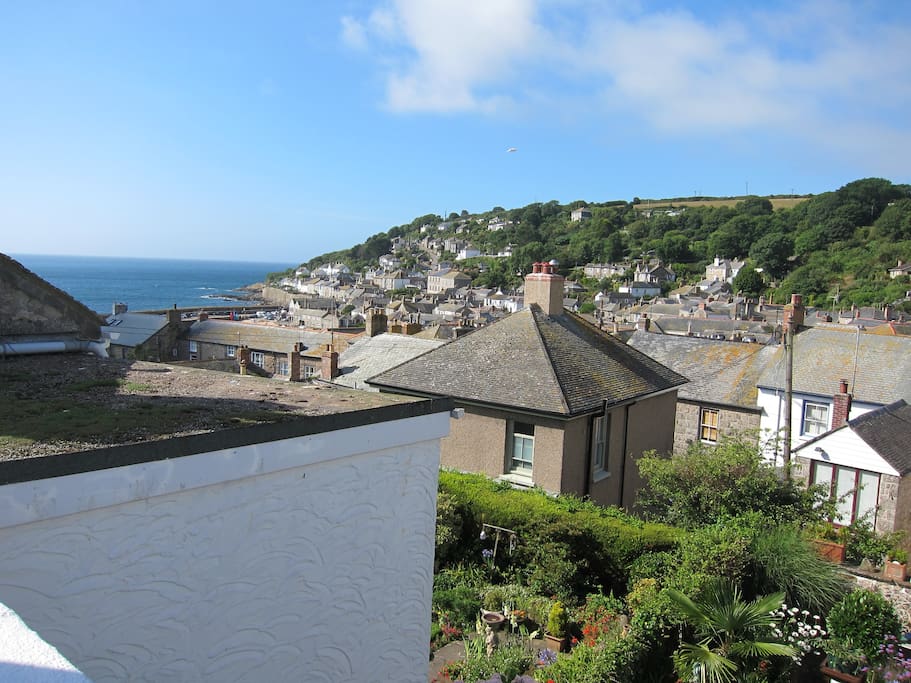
(549,400)
(877,369)
(864,462)
(142,336)
(723,270)
(445,279)
(580,214)
(720,399)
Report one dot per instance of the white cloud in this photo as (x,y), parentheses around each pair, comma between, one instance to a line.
(457,54)
(353,33)
(811,69)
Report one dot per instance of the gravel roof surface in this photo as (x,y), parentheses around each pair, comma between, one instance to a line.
(61,403)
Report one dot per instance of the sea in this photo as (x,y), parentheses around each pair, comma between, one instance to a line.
(145,283)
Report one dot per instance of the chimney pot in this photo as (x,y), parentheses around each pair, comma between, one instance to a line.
(841,405)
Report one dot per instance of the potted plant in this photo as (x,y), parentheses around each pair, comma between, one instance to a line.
(858,624)
(557,623)
(896,565)
(829,542)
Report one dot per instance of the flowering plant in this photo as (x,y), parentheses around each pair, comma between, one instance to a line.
(897,662)
(799,629)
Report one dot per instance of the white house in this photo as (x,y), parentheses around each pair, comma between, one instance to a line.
(876,368)
(865,464)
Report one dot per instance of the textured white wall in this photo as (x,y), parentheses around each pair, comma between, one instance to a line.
(321,572)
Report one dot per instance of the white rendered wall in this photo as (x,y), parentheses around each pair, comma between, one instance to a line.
(771,420)
(308,559)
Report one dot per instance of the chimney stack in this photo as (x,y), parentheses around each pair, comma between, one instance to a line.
(329,368)
(544,287)
(794,313)
(376,322)
(841,405)
(643,323)
(294,362)
(203,316)
(119,308)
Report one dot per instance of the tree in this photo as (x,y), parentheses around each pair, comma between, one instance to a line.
(771,253)
(708,483)
(754,206)
(749,281)
(733,635)
(674,246)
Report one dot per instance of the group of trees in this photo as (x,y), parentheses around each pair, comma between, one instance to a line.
(841,241)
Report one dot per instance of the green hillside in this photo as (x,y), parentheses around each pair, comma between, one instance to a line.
(835,246)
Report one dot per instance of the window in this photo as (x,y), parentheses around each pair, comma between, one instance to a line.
(309,371)
(257,358)
(230,351)
(815,419)
(856,491)
(282,366)
(194,347)
(600,436)
(523,448)
(708,425)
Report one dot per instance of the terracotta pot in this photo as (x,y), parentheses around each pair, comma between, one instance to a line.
(557,644)
(832,551)
(897,571)
(841,676)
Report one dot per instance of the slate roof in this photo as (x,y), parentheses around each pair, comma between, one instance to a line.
(257,337)
(720,372)
(370,356)
(887,431)
(823,356)
(132,329)
(561,365)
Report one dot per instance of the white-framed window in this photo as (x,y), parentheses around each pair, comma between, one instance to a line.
(309,371)
(283,367)
(708,425)
(194,347)
(600,436)
(522,448)
(258,358)
(856,491)
(815,419)
(230,351)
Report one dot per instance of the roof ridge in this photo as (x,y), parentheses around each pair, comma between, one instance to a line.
(534,309)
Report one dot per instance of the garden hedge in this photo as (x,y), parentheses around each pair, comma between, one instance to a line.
(596,544)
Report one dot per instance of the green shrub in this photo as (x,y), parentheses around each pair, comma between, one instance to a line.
(860,622)
(566,546)
(784,560)
(460,605)
(557,620)
(862,542)
(708,483)
(513,657)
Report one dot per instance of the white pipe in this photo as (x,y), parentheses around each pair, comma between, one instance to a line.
(99,348)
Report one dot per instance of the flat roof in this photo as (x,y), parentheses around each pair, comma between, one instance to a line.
(105,413)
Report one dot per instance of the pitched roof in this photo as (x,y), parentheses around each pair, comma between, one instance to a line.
(370,356)
(823,356)
(719,371)
(560,365)
(132,329)
(257,337)
(887,431)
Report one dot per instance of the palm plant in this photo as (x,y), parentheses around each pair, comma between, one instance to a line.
(730,634)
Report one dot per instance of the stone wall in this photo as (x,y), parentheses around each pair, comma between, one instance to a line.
(730,422)
(897,594)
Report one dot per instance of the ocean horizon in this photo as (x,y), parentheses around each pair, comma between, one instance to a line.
(147,283)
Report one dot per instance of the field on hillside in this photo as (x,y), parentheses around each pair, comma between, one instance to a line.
(777,202)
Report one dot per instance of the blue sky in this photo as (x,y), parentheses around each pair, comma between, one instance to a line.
(276,131)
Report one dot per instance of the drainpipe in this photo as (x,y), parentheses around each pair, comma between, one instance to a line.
(623,458)
(99,348)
